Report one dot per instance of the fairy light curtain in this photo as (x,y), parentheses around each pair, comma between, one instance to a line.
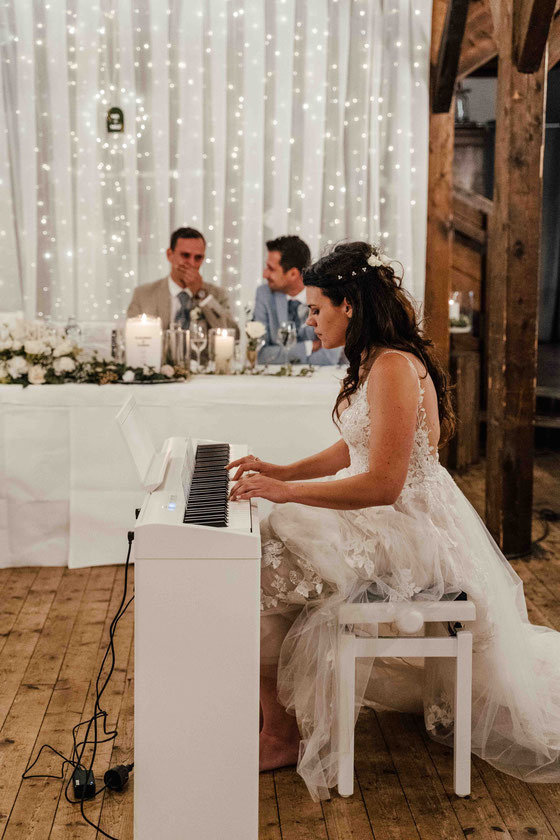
(244,118)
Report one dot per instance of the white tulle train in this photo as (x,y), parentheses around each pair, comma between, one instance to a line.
(431,543)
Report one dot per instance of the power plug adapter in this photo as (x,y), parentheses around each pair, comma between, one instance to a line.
(84,785)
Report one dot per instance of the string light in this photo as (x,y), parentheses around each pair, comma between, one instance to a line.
(344,145)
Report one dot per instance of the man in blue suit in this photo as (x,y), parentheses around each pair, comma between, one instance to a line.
(283,299)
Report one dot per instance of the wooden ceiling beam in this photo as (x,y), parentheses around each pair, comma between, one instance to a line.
(479,45)
(531,26)
(448,55)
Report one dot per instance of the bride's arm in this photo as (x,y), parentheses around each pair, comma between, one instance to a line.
(327,462)
(393,400)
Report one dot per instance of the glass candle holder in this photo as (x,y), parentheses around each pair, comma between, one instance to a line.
(461,312)
(221,345)
(177,348)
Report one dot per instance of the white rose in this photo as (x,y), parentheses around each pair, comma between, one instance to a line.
(35,347)
(378,258)
(255,329)
(17,366)
(63,348)
(19,331)
(168,371)
(6,344)
(36,375)
(64,365)
(16,345)
(3,371)
(128,376)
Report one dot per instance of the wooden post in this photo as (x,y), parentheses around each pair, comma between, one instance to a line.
(512,296)
(439,242)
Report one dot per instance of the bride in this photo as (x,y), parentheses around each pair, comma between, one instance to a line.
(388,524)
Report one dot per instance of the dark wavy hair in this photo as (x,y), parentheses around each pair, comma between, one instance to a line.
(383,315)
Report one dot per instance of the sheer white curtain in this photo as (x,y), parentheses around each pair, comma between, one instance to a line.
(244,118)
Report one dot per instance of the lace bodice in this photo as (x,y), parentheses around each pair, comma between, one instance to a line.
(355,428)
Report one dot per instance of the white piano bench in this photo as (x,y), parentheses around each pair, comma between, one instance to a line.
(407,617)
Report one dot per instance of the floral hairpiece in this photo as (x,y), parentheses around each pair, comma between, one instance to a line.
(376,259)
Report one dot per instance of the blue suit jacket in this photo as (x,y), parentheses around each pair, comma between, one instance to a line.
(270,309)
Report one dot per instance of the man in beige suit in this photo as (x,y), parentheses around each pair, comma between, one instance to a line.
(172,298)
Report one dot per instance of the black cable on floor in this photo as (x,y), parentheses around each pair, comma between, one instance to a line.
(79,746)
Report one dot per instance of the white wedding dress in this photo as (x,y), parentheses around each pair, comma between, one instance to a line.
(428,545)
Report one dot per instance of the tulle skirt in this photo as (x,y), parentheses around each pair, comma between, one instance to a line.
(430,544)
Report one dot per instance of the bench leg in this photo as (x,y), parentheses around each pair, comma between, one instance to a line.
(345,722)
(463,711)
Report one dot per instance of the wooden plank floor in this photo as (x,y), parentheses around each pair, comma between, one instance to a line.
(54,627)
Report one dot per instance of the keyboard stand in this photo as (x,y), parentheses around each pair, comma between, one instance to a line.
(196,697)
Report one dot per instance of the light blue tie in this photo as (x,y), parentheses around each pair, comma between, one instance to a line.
(293,306)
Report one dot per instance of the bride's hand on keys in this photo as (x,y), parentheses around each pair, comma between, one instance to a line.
(250,463)
(257,485)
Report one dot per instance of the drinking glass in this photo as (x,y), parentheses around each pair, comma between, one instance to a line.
(118,347)
(73,330)
(199,339)
(287,336)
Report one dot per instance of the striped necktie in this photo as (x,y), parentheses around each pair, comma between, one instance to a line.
(183,316)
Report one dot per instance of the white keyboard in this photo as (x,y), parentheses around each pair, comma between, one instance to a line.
(160,530)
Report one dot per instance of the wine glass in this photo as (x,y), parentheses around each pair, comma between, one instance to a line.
(199,339)
(287,336)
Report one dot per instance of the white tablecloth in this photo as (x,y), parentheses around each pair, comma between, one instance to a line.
(68,486)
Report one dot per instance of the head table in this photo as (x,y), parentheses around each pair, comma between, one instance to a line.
(68,486)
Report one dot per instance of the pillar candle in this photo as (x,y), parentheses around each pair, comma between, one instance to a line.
(143,342)
(454,310)
(224,346)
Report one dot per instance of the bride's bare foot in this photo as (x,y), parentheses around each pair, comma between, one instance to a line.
(276,752)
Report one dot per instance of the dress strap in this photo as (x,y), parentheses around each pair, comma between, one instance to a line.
(400,353)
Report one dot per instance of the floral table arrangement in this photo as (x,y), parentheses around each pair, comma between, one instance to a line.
(35,353)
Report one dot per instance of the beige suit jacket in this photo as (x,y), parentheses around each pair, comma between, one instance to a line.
(154,299)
